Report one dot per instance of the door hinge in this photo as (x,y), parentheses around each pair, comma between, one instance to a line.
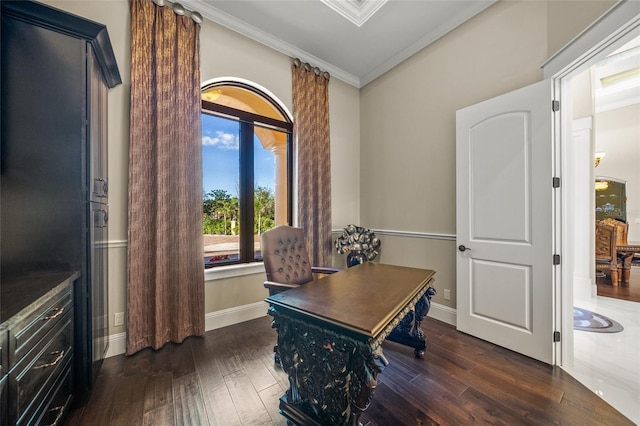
(555,106)
(556,259)
(556,182)
(556,336)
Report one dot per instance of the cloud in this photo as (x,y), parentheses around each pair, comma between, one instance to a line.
(222,140)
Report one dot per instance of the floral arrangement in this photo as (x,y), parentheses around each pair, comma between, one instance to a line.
(358,239)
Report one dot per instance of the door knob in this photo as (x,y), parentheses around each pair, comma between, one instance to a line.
(463,248)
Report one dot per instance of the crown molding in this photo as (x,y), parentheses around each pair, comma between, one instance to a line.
(356,11)
(228,21)
(444,28)
(234,24)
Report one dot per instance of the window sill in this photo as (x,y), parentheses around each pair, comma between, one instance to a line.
(231,271)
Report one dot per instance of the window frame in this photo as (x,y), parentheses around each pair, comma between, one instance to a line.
(248,122)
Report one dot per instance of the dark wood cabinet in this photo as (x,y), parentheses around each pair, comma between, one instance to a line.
(56,70)
(39,341)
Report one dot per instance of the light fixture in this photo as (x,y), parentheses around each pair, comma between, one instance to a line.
(599,156)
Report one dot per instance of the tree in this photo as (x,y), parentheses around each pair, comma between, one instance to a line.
(264,208)
(217,203)
(220,208)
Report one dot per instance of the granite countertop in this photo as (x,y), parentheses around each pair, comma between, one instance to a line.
(21,292)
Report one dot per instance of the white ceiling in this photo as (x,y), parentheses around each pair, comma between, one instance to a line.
(617,78)
(317,32)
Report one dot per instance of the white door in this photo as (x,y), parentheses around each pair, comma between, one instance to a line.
(504,221)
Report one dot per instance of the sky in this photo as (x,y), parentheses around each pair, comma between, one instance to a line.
(220,153)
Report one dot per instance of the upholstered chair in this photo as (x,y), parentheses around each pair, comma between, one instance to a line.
(607,260)
(286,260)
(286,263)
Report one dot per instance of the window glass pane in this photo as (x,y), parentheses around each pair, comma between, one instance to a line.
(264,162)
(220,178)
(240,98)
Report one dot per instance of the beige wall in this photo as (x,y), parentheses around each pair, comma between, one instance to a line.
(408,122)
(223,53)
(393,142)
(567,19)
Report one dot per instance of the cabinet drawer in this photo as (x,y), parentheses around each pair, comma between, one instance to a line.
(4,351)
(30,330)
(33,377)
(4,401)
(56,404)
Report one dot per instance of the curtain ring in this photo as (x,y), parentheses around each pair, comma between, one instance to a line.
(178,9)
(297,62)
(326,75)
(159,2)
(307,67)
(197,17)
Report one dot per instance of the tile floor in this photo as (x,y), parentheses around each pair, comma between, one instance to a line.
(609,363)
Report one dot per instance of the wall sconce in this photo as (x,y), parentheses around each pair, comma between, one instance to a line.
(599,156)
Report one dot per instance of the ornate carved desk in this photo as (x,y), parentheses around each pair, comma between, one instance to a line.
(329,337)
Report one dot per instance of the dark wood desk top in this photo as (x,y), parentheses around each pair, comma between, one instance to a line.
(363,299)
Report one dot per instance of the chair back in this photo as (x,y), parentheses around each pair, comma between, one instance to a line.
(622,230)
(285,255)
(606,235)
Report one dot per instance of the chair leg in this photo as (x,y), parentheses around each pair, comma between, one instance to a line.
(614,277)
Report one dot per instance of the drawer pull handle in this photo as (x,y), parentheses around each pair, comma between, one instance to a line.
(60,410)
(52,363)
(58,312)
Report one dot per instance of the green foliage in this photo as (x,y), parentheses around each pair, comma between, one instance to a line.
(264,209)
(220,211)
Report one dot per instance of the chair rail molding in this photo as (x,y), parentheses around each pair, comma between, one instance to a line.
(409,234)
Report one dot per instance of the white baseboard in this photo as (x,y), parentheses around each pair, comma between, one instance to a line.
(226,317)
(443,313)
(117,344)
(212,321)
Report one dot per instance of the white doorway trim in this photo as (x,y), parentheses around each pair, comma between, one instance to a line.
(613,26)
(616,27)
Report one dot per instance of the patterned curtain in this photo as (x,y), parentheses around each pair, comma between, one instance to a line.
(311,136)
(165,288)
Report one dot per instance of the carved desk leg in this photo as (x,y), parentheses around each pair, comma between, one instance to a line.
(409,331)
(332,377)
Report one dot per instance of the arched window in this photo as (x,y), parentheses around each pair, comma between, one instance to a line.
(246,169)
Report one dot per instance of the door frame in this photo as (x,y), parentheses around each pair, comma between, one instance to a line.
(612,29)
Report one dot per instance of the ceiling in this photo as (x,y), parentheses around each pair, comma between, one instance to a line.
(617,78)
(354,40)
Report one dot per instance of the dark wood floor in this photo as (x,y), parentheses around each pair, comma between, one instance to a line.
(631,292)
(228,378)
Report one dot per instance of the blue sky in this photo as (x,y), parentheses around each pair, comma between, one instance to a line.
(220,166)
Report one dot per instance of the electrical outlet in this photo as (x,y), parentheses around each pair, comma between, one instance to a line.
(447,294)
(118,319)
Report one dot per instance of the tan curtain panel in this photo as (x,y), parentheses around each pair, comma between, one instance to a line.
(165,289)
(311,136)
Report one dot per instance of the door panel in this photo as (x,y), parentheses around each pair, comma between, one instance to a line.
(511,281)
(504,220)
(492,178)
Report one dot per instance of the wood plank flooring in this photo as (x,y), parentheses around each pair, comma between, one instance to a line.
(228,378)
(631,292)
